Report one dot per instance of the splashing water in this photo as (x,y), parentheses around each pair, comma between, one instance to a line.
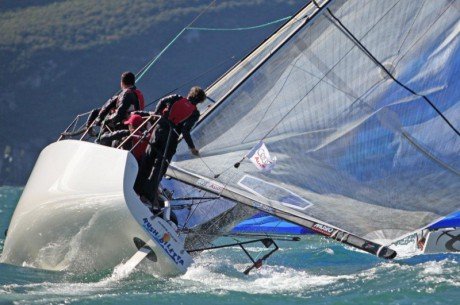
(314,271)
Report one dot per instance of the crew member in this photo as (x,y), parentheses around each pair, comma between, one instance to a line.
(138,141)
(118,108)
(178,115)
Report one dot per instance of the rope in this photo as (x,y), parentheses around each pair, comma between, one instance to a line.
(241,28)
(171,42)
(191,80)
(189,27)
(159,55)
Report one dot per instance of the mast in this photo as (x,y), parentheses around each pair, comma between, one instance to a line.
(303,17)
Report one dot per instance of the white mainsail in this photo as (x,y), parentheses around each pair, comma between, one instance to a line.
(359,101)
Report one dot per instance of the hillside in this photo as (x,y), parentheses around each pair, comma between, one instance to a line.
(60,58)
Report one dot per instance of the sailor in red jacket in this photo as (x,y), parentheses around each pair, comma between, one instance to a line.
(178,115)
(116,137)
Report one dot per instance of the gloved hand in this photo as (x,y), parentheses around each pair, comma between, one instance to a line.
(194,151)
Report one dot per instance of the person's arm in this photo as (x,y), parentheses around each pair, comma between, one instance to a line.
(142,113)
(187,126)
(107,138)
(126,100)
(161,105)
(114,135)
(109,105)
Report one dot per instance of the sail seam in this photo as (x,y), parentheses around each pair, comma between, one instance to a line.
(306,21)
(420,37)
(356,41)
(428,154)
(411,27)
(311,89)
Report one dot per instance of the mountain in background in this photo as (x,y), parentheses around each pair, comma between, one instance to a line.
(60,58)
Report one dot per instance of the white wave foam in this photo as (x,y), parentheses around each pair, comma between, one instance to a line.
(63,292)
(440,272)
(433,268)
(207,275)
(406,248)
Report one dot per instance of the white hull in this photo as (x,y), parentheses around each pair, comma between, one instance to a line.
(79,212)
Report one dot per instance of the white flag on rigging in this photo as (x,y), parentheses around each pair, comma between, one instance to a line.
(260,156)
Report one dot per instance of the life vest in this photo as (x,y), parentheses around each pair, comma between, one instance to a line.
(139,150)
(140,98)
(180,111)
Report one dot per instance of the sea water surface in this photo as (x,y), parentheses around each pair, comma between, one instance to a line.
(313,271)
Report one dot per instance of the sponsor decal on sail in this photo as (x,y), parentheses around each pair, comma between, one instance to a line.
(261,158)
(323,229)
(211,185)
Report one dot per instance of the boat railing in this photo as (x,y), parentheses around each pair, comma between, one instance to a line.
(76,127)
(83,130)
(152,119)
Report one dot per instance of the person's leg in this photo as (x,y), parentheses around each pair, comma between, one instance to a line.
(147,161)
(157,145)
(160,167)
(152,182)
(173,142)
(145,167)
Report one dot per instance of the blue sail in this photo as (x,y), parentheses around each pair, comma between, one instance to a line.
(450,221)
(263,223)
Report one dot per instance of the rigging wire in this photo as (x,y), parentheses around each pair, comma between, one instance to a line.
(378,63)
(369,54)
(192,79)
(140,74)
(190,214)
(149,65)
(303,19)
(241,28)
(155,59)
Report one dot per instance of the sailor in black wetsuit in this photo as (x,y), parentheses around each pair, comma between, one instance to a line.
(178,115)
(118,108)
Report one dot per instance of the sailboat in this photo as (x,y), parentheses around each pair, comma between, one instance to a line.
(358,101)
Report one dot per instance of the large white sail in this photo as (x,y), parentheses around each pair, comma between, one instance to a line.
(359,102)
